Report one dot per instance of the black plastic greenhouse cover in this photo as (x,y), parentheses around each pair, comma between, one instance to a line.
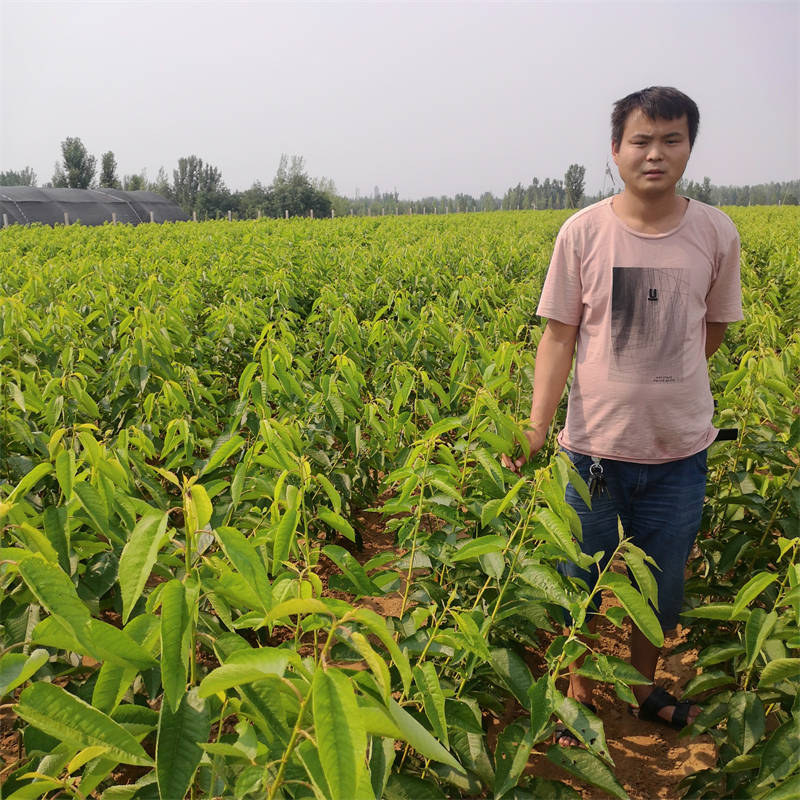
(24,205)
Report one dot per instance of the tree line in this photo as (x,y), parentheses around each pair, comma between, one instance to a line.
(199,188)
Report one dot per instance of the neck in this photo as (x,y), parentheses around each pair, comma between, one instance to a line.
(652,213)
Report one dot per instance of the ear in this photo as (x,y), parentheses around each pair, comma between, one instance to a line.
(615,153)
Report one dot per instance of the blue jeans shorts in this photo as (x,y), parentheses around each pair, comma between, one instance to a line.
(660,507)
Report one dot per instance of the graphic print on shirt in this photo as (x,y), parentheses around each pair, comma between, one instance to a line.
(648,325)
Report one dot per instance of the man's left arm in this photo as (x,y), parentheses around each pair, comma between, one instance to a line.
(715,333)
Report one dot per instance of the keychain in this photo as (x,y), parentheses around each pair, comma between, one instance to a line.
(597,483)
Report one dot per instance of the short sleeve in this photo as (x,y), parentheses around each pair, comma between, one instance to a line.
(724,298)
(562,293)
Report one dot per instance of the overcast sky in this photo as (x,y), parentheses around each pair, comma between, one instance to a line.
(428,98)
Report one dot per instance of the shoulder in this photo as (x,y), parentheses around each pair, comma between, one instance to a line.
(714,219)
(586,223)
(588,217)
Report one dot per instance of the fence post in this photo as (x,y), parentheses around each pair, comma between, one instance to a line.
(5,220)
(286,214)
(113,217)
(66,217)
(230,215)
(312,213)
(152,217)
(259,214)
(194,216)
(332,214)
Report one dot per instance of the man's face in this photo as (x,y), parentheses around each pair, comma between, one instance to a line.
(652,154)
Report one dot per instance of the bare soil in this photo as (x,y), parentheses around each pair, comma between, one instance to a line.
(650,759)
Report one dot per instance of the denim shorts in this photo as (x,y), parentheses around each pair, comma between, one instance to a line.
(660,507)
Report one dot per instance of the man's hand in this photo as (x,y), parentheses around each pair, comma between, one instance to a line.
(536,440)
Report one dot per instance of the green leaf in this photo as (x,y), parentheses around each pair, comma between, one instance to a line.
(222,449)
(645,581)
(441,427)
(337,522)
(112,645)
(746,721)
(640,612)
(514,673)
(341,739)
(492,468)
(56,528)
(298,606)
(720,611)
(333,495)
(432,698)
(547,581)
(29,481)
(751,590)
(377,625)
(200,507)
(177,747)
(55,591)
(541,706)
(113,680)
(352,570)
(705,681)
(16,668)
(138,557)
(376,664)
(587,767)
(245,666)
(757,629)
(245,558)
(401,786)
(781,755)
(419,738)
(93,505)
(474,548)
(175,635)
(788,790)
(511,755)
(65,472)
(585,725)
(719,654)
(284,533)
(779,670)
(67,718)
(559,532)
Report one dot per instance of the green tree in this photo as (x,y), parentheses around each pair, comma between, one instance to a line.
(199,187)
(23,177)
(134,183)
(574,184)
(77,169)
(292,191)
(108,171)
(161,184)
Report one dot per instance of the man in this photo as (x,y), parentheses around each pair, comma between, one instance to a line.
(645,284)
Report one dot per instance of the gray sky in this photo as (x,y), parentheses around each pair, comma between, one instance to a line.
(428,98)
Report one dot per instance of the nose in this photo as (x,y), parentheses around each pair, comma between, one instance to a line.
(654,152)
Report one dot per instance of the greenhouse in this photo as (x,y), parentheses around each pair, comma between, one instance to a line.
(25,205)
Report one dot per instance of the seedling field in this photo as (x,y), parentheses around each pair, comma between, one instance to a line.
(200,423)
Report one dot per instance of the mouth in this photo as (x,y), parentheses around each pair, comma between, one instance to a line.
(654,173)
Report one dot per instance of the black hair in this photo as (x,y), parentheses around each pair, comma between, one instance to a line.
(656,102)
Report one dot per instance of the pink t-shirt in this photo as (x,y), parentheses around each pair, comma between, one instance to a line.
(640,390)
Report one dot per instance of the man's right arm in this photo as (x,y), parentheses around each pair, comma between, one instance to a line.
(553,363)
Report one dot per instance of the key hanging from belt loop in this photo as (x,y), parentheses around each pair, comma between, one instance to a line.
(597,483)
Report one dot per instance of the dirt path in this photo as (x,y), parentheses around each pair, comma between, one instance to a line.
(650,759)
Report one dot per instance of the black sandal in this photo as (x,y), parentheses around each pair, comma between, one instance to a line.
(660,698)
(562,731)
